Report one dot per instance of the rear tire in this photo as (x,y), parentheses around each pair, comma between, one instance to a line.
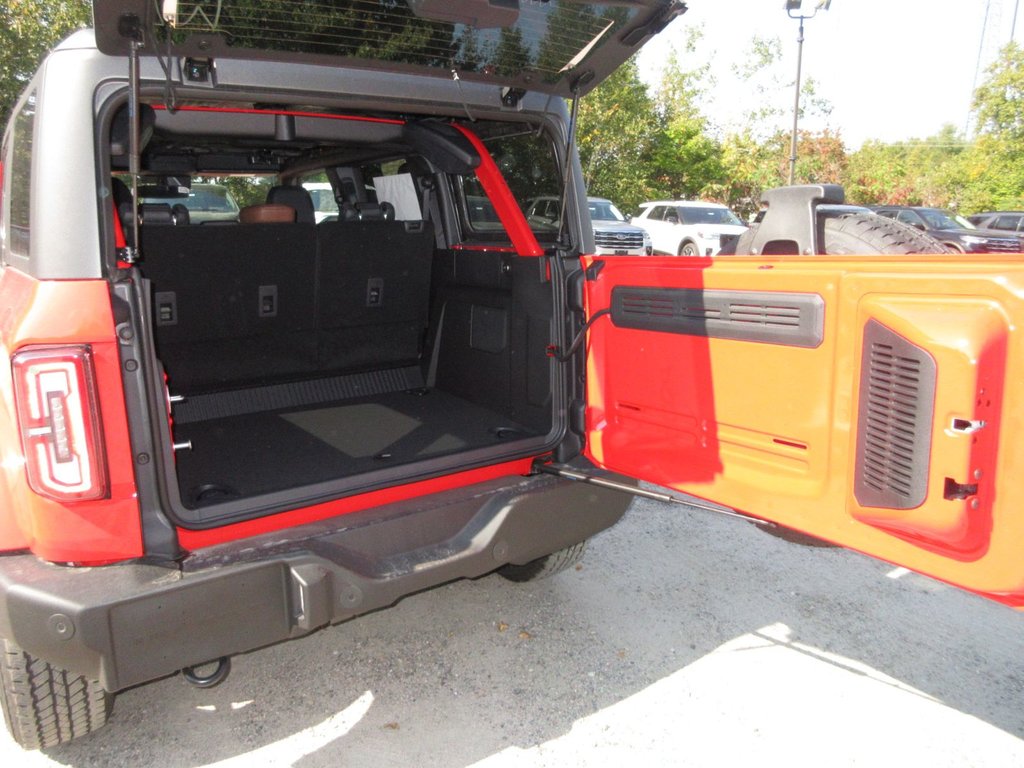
(546,566)
(45,706)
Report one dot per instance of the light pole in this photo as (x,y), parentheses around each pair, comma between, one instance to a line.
(793,9)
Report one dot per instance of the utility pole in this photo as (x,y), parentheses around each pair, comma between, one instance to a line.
(794,12)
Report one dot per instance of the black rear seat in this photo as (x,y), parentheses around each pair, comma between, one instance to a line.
(233,305)
(374,283)
(259,303)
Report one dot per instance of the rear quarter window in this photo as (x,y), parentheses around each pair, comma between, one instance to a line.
(18,225)
(528,163)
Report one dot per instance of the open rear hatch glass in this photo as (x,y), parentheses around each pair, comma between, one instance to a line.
(554,47)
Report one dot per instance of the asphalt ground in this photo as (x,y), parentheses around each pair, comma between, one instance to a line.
(683,639)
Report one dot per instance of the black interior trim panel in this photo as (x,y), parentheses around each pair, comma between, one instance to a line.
(790,319)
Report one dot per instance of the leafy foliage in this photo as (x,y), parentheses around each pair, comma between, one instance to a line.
(636,144)
(915,172)
(28,29)
(999,101)
(617,138)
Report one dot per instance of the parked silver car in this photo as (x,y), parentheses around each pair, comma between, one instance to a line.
(614,235)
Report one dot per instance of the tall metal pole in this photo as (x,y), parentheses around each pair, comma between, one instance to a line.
(796,102)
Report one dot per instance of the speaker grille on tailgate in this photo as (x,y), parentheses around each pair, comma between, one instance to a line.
(894,420)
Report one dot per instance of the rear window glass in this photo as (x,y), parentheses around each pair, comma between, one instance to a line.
(21,177)
(218,198)
(549,38)
(211,198)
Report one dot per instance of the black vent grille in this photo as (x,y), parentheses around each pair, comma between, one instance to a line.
(894,420)
(793,319)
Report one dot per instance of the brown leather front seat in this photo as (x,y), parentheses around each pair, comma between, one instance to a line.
(267,213)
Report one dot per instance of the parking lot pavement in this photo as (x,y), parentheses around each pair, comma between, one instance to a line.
(683,639)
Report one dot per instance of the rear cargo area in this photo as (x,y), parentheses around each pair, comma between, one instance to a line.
(302,355)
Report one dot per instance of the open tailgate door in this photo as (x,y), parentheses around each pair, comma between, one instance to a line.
(874,401)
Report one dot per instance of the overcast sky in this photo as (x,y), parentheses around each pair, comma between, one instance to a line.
(893,69)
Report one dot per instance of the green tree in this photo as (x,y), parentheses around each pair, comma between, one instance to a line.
(877,173)
(915,172)
(999,101)
(770,104)
(752,164)
(617,136)
(28,29)
(991,173)
(991,176)
(755,156)
(635,146)
(687,159)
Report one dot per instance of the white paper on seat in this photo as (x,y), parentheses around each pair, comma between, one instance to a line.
(400,191)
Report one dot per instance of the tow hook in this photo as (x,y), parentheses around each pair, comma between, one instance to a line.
(216,677)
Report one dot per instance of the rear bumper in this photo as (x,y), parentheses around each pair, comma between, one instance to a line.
(128,624)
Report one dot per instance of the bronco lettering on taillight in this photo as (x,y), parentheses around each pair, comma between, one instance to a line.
(58,414)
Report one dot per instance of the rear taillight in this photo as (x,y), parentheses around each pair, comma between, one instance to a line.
(58,413)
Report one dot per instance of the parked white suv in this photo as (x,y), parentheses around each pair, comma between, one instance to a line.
(688,228)
(325,206)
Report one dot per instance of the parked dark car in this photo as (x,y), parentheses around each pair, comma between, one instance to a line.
(953,231)
(1012,221)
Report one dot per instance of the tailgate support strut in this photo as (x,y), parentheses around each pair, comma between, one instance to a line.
(568,473)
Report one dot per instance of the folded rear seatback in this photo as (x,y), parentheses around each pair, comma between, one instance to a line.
(374,293)
(232,305)
(257,304)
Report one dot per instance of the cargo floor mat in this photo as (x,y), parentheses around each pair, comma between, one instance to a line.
(255,453)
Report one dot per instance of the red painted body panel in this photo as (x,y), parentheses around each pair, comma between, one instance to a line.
(190,539)
(771,429)
(88,532)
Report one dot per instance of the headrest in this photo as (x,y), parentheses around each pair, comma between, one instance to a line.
(298,198)
(179,213)
(367,212)
(155,213)
(267,213)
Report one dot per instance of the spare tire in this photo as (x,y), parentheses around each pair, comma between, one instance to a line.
(862,234)
(866,233)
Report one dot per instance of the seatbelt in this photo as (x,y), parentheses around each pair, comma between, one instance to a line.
(429,206)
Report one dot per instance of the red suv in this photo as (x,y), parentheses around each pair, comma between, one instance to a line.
(218,435)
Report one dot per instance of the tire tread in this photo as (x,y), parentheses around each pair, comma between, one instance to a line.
(44,705)
(546,566)
(863,233)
